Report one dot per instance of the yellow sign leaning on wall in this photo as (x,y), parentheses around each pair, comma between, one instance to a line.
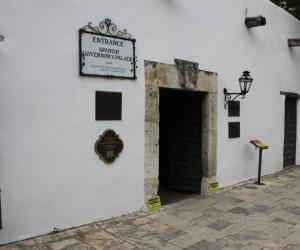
(213,187)
(153,203)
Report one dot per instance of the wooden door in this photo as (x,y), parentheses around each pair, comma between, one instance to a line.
(183,141)
(290,131)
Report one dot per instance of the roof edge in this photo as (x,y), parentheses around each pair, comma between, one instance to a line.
(284,11)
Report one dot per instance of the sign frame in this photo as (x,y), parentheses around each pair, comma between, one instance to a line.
(81,31)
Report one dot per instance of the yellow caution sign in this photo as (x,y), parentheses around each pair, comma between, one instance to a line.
(213,187)
(153,203)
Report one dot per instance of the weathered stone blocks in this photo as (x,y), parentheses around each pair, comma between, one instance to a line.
(184,76)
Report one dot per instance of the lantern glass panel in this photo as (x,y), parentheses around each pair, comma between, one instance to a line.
(241,88)
(249,86)
(245,86)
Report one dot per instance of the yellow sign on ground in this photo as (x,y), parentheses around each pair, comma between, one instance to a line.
(153,203)
(213,187)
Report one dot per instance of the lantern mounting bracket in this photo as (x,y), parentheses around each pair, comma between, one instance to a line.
(245,82)
(231,97)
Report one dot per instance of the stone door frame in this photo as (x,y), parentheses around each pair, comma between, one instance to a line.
(184,75)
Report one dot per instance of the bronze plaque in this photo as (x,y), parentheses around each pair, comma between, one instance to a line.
(108,146)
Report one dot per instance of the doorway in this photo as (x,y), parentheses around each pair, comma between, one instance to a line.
(290,131)
(184,77)
(180,144)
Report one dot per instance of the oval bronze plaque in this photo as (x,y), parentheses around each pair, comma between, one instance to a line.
(108,146)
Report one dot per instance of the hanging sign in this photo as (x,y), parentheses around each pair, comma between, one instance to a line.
(106,51)
(108,146)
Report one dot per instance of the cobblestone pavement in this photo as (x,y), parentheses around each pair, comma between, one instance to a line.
(241,217)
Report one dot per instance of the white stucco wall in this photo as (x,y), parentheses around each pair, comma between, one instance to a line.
(298,134)
(49,174)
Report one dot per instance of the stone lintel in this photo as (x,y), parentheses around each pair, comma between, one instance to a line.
(184,75)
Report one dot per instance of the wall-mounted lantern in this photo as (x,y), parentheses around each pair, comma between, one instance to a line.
(245,82)
(1,38)
(294,42)
(252,22)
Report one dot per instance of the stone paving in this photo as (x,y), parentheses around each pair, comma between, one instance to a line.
(244,216)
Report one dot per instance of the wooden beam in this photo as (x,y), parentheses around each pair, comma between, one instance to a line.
(294,42)
(252,22)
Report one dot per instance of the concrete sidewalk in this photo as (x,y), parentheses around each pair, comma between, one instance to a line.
(245,216)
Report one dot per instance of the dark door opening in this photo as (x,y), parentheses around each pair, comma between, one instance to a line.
(290,131)
(180,139)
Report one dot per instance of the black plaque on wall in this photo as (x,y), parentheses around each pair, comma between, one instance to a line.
(233,129)
(108,106)
(233,108)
